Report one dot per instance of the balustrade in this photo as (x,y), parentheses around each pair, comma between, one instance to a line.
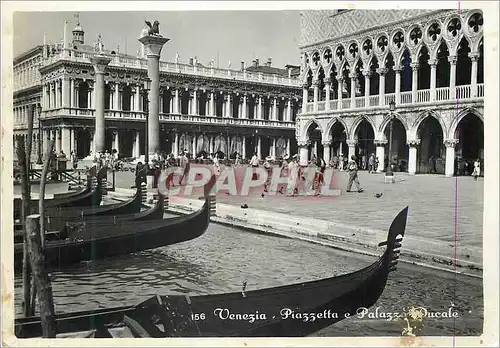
(374,100)
(406,97)
(462,92)
(360,102)
(480,90)
(442,93)
(423,95)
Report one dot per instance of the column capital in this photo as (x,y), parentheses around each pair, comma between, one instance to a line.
(353,75)
(413,142)
(351,142)
(397,69)
(315,83)
(380,142)
(153,45)
(452,59)
(414,66)
(100,62)
(339,78)
(326,143)
(305,85)
(302,143)
(450,142)
(474,56)
(382,71)
(432,63)
(327,80)
(367,73)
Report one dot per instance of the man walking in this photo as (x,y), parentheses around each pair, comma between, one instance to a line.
(371,163)
(184,162)
(352,168)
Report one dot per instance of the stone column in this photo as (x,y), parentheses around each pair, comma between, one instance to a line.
(381,87)
(259,109)
(244,147)
(65,141)
(315,84)
(176,144)
(340,79)
(288,147)
(328,83)
(66,94)
(473,73)
(259,148)
(100,63)
(137,144)
(412,156)
(116,143)
(352,148)
(303,153)
(272,149)
(397,73)
(57,138)
(153,46)
(275,109)
(353,90)
(211,145)
(92,142)
(244,110)
(305,95)
(193,145)
(176,101)
(380,154)
(116,97)
(414,82)
(229,106)
(453,76)
(326,152)
(137,99)
(194,105)
(433,64)
(367,74)
(212,105)
(450,156)
(289,111)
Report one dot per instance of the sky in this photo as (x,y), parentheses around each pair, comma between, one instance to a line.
(233,36)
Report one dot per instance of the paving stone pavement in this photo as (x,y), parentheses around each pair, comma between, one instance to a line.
(431,199)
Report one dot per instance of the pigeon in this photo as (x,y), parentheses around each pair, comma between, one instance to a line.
(262,195)
(244,206)
(378,195)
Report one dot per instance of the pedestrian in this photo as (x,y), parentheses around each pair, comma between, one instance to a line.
(216,165)
(352,168)
(184,165)
(254,163)
(341,162)
(74,158)
(477,169)
(335,162)
(320,172)
(293,174)
(363,162)
(432,165)
(371,163)
(269,169)
(377,161)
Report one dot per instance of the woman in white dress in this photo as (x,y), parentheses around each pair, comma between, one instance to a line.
(216,165)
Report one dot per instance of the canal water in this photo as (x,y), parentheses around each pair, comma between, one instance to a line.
(223,258)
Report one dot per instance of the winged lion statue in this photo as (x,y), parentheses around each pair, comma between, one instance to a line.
(154,29)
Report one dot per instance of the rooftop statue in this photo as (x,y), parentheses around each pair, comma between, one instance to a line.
(154,30)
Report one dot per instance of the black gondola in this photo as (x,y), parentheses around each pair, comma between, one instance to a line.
(88,241)
(254,313)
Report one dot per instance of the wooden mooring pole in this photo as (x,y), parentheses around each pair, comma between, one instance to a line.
(41,278)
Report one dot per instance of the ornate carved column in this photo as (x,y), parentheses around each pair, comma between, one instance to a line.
(326,151)
(450,156)
(259,147)
(453,76)
(193,145)
(100,63)
(65,91)
(57,138)
(397,73)
(473,73)
(137,99)
(116,97)
(153,46)
(212,104)
(229,106)
(272,150)
(176,101)
(414,82)
(259,109)
(65,140)
(305,95)
(211,145)
(381,86)
(195,102)
(412,155)
(116,143)
(289,111)
(328,83)
(137,144)
(340,80)
(352,147)
(288,148)
(367,74)
(190,103)
(353,89)
(433,64)
(315,84)
(303,153)
(380,154)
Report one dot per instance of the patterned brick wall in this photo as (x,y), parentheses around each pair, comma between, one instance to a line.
(321,25)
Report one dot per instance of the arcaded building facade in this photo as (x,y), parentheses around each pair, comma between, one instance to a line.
(429,62)
(203,109)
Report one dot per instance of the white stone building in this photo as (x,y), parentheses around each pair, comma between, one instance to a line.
(429,62)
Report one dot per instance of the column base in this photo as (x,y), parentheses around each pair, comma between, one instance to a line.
(389,179)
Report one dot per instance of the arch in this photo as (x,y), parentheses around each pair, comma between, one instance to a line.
(469,131)
(127,98)
(332,122)
(421,118)
(83,101)
(456,120)
(464,63)
(431,152)
(307,125)
(443,65)
(357,122)
(308,72)
(477,43)
(387,118)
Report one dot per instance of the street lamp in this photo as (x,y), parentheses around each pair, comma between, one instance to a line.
(146,87)
(40,134)
(392,107)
